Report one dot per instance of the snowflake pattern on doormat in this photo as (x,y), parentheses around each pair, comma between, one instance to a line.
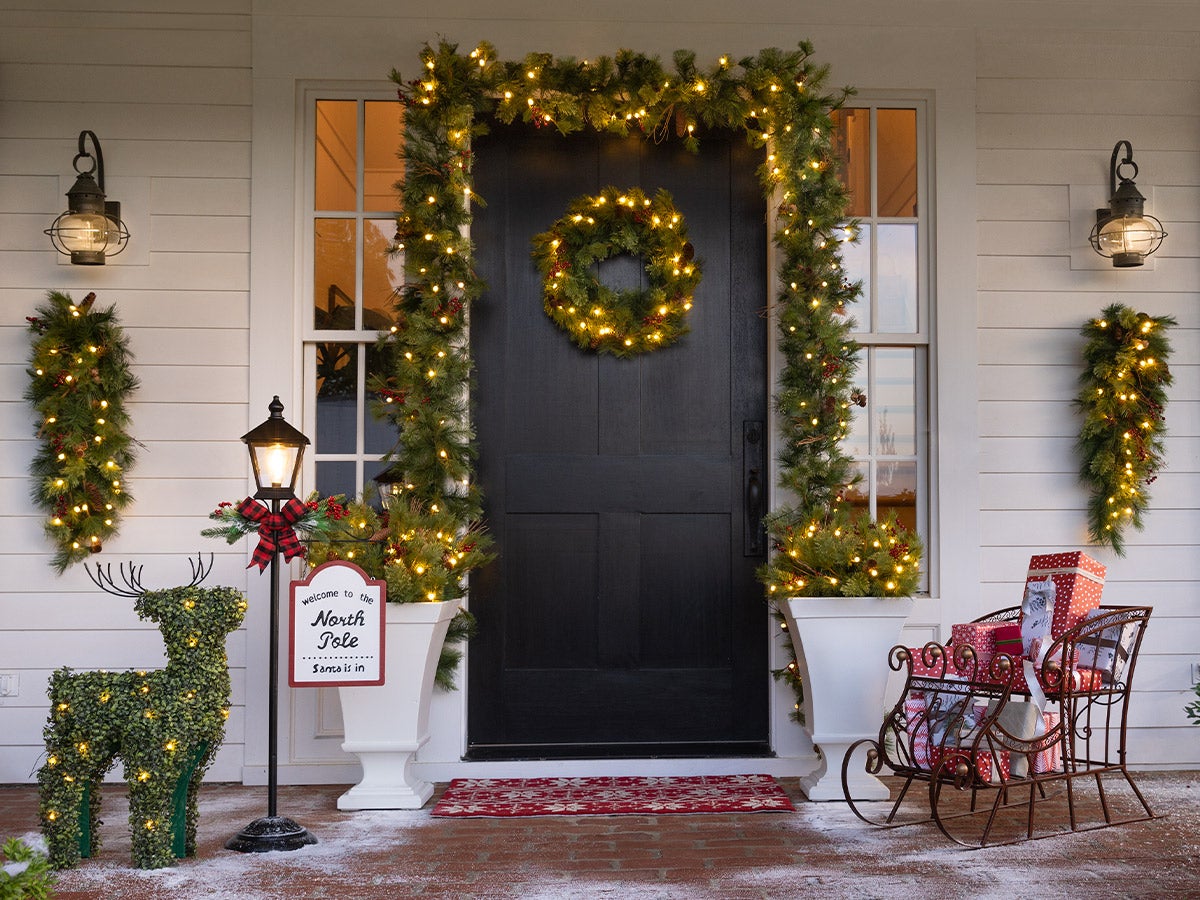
(515,797)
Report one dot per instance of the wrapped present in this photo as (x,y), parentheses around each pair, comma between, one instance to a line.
(939,661)
(1017,720)
(1078,679)
(1078,582)
(1008,640)
(918,730)
(1045,650)
(982,638)
(1107,650)
(1050,759)
(985,762)
(937,720)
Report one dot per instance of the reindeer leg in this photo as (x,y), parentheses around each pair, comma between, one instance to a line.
(187,810)
(95,797)
(150,817)
(60,808)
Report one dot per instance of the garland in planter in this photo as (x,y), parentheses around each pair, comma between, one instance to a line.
(1122,398)
(79,382)
(841,556)
(594,228)
(422,555)
(777,97)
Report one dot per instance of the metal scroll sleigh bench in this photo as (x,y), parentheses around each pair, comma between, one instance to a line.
(963,750)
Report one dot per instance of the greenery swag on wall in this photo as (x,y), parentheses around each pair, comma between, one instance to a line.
(1122,398)
(79,382)
(615,221)
(776,97)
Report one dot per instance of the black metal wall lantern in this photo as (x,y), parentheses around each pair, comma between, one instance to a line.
(91,229)
(1123,232)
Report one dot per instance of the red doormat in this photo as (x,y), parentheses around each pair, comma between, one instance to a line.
(505,797)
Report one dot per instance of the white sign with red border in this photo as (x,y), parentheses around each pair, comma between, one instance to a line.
(337,633)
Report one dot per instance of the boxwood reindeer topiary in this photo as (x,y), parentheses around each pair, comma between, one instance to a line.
(166,725)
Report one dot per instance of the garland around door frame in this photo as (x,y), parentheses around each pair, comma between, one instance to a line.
(777,97)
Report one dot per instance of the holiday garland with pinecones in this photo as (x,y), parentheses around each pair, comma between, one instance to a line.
(80,380)
(1122,398)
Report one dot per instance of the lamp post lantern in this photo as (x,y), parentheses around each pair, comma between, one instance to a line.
(276,450)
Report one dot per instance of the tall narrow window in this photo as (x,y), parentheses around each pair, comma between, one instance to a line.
(882,156)
(353,277)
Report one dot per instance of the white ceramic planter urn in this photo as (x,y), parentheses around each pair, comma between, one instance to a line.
(386,725)
(842,646)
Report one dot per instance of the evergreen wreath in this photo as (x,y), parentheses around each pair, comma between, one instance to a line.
(1122,398)
(780,101)
(613,222)
(79,382)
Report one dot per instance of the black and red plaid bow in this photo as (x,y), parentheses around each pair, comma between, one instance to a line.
(275,530)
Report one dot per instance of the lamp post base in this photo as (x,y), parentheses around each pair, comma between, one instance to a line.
(270,833)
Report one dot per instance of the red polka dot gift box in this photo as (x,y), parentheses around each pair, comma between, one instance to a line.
(1078,582)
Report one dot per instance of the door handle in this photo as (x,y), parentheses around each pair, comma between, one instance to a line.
(755,494)
(753,497)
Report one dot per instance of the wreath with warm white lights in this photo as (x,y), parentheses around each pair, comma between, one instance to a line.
(613,222)
(79,382)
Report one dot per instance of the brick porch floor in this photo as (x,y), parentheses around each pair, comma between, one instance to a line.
(821,850)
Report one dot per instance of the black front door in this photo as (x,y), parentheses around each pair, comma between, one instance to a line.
(622,617)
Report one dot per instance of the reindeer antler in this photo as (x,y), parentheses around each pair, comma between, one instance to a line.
(199,570)
(103,579)
(132,576)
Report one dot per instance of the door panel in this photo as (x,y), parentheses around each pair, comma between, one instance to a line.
(622,616)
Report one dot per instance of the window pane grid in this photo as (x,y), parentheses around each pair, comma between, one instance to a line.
(354,276)
(888,440)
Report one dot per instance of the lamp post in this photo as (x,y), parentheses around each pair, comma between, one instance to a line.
(276,449)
